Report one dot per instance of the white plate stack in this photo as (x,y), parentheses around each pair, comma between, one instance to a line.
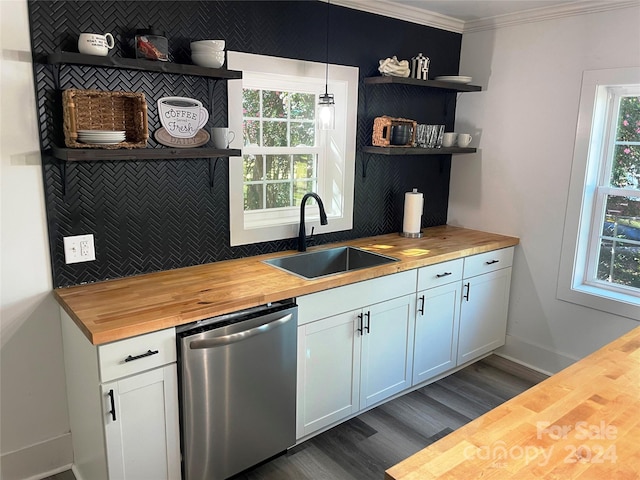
(454,79)
(103,137)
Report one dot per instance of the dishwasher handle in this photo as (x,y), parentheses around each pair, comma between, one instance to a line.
(236,337)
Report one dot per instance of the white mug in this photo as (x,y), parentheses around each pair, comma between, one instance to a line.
(222,137)
(95,44)
(182,117)
(464,139)
(449,139)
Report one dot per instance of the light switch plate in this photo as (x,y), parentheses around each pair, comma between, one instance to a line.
(79,248)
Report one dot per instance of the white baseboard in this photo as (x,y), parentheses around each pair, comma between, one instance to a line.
(534,356)
(38,461)
(76,473)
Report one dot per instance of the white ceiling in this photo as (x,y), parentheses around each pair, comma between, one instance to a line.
(472,15)
(468,10)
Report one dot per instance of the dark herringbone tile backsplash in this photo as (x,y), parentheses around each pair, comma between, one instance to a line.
(157,215)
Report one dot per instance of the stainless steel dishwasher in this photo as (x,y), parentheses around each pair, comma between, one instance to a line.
(237,389)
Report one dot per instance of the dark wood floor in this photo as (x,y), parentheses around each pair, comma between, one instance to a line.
(365,446)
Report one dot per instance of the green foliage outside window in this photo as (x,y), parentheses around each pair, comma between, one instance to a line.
(278,119)
(619,260)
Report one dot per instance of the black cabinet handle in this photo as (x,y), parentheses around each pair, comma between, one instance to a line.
(368,315)
(142,355)
(421,309)
(468,287)
(445,274)
(491,262)
(360,323)
(113,405)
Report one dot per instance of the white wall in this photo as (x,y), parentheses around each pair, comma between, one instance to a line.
(34,423)
(524,124)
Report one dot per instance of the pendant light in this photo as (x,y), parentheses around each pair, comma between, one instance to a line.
(326,105)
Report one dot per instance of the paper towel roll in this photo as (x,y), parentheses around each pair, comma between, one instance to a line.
(413,203)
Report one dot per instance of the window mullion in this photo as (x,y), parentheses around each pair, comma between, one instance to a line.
(264,178)
(609,135)
(597,222)
(619,191)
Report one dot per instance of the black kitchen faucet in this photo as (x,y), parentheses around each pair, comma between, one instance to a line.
(302,235)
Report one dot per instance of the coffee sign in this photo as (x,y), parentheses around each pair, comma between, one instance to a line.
(182,117)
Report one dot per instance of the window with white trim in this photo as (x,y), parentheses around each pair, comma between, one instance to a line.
(284,154)
(600,263)
(614,253)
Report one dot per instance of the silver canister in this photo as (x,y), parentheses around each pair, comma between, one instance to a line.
(420,67)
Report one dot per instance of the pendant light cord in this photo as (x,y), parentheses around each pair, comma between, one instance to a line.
(326,75)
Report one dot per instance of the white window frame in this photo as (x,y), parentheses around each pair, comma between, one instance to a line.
(584,206)
(336,148)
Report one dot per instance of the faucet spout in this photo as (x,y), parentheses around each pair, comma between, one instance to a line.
(302,235)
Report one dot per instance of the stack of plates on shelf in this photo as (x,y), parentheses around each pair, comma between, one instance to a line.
(454,79)
(105,137)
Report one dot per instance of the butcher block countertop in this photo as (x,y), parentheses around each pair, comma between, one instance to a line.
(581,423)
(117,309)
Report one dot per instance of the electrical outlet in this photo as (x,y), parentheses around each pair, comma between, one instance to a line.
(79,248)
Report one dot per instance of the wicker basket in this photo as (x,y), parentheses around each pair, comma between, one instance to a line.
(382,131)
(96,110)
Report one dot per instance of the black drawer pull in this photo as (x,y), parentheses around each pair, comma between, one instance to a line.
(491,262)
(142,355)
(421,309)
(113,405)
(445,274)
(360,324)
(368,315)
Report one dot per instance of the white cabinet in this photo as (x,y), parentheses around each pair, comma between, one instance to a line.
(350,354)
(123,406)
(437,315)
(387,349)
(485,301)
(141,430)
(328,372)
(362,343)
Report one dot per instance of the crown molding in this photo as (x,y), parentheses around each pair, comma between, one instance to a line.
(404,12)
(444,22)
(547,13)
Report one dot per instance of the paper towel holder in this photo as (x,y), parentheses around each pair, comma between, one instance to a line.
(411,227)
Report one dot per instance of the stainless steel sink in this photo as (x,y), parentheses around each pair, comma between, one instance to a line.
(332,261)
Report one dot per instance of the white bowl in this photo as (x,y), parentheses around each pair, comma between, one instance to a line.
(211,60)
(200,49)
(217,45)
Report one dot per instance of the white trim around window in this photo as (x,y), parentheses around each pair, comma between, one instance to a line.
(337,147)
(583,207)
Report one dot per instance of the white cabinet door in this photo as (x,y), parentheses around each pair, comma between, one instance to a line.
(387,349)
(142,426)
(328,372)
(436,337)
(483,314)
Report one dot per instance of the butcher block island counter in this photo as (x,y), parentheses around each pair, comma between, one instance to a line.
(118,309)
(581,423)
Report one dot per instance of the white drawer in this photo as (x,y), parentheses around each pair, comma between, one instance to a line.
(136,354)
(440,274)
(354,296)
(488,262)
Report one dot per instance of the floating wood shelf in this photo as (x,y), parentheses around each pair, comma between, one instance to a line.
(97,155)
(72,58)
(456,87)
(417,151)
